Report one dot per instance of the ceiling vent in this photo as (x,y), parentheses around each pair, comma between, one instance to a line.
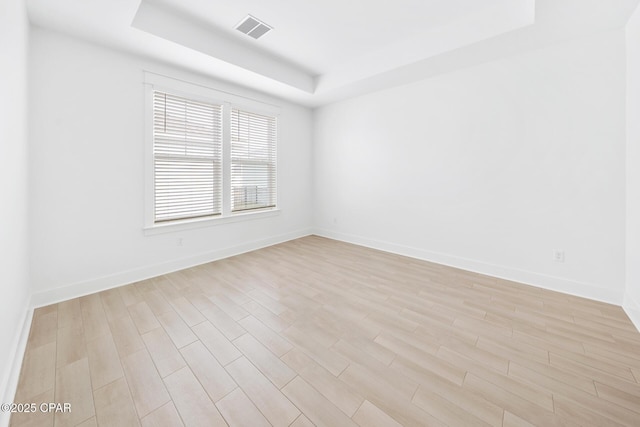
(253,27)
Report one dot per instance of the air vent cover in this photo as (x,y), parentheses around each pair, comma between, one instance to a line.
(253,27)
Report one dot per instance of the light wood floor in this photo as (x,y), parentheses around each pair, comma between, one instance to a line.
(320,332)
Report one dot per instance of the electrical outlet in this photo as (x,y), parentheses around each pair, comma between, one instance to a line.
(558,255)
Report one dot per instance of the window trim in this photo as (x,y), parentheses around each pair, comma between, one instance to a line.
(154,81)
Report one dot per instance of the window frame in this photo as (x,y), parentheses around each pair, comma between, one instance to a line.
(197,92)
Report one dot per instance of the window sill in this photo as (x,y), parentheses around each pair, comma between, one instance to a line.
(207,222)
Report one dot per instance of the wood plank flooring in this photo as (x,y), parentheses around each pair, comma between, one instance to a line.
(319,332)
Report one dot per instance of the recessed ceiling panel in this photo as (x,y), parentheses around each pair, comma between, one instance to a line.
(322,36)
(341,43)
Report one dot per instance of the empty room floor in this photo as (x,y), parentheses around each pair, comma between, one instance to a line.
(319,332)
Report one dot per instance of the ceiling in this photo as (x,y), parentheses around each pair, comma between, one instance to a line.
(320,52)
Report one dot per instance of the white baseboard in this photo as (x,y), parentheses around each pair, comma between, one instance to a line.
(11,373)
(123,278)
(632,307)
(571,287)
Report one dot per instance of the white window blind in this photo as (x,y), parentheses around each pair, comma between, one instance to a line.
(253,160)
(187,154)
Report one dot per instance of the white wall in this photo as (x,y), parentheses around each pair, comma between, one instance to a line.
(87,173)
(489,168)
(632,295)
(14,278)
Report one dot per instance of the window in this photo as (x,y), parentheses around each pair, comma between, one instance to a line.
(187,158)
(212,155)
(253,161)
